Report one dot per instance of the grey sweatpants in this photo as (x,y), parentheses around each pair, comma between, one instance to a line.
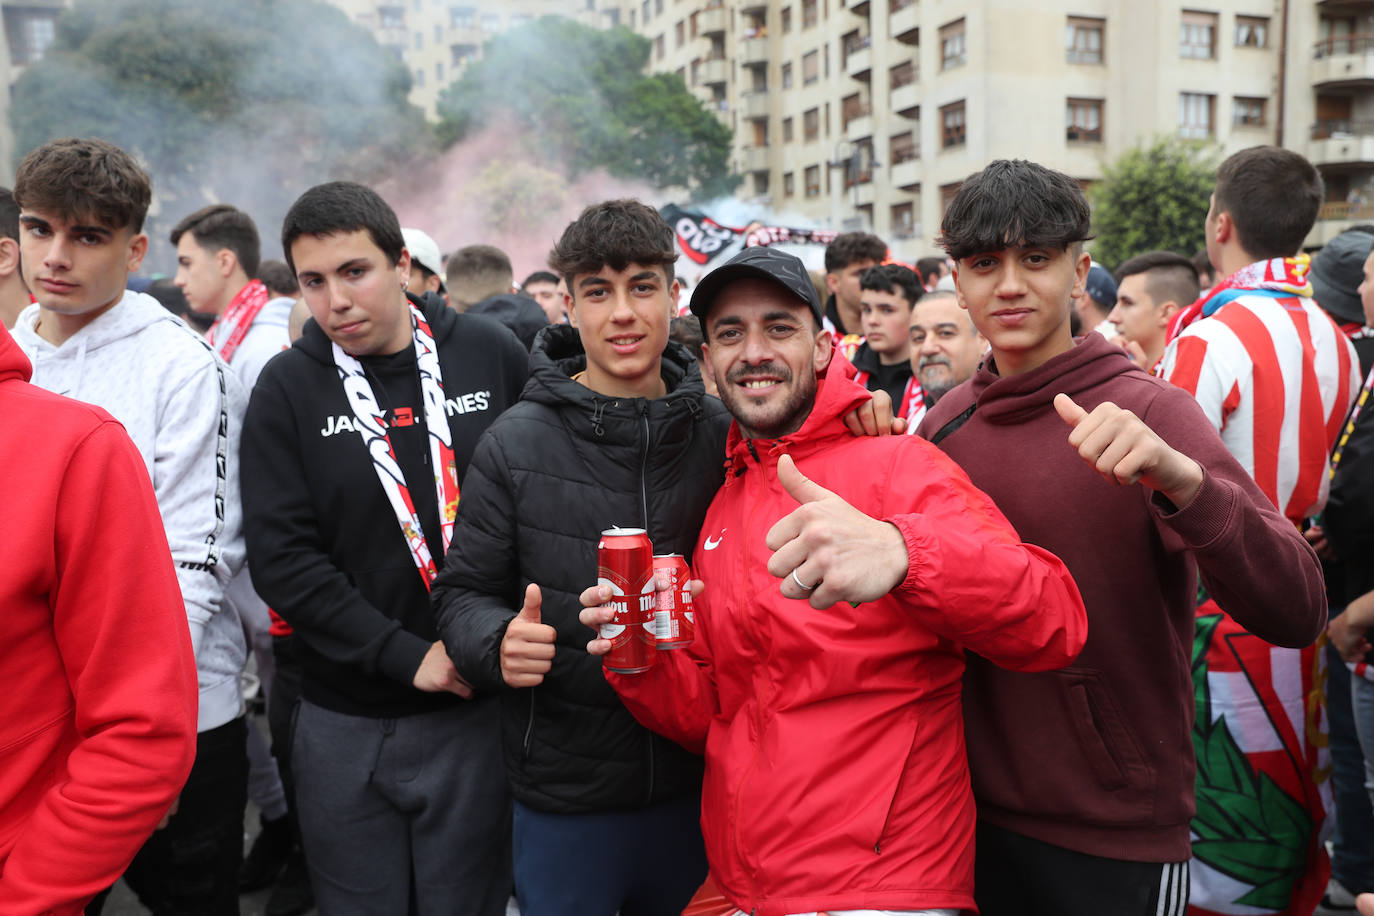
(385,800)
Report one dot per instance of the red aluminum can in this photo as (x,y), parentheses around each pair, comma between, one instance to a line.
(676,623)
(625,562)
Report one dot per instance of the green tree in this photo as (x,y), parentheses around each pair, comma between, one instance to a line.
(249,102)
(579,97)
(1153,197)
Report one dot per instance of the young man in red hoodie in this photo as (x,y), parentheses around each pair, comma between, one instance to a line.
(98,710)
(823,684)
(1084,776)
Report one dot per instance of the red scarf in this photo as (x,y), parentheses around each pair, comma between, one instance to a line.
(230,328)
(1277,277)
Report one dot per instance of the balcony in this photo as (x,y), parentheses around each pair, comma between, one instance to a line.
(864,194)
(711,21)
(859,7)
(904,22)
(754,104)
(753,52)
(714,72)
(755,158)
(905,175)
(859,126)
(1344,61)
(1341,142)
(858,63)
(1335,217)
(906,101)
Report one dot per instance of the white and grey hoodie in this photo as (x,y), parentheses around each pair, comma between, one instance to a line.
(184,410)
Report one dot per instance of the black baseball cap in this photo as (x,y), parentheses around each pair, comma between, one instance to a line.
(762,263)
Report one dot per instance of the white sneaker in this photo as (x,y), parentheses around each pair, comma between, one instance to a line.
(1337,901)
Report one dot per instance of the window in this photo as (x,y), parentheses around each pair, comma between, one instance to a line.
(853,43)
(692,25)
(613,16)
(760,183)
(953,52)
(811,124)
(902,148)
(658,47)
(786,19)
(760,132)
(32,33)
(1248,112)
(1252,32)
(787,75)
(645,7)
(439,73)
(786,130)
(811,70)
(658,6)
(1083,120)
(852,107)
(1084,40)
(419,41)
(679,33)
(904,74)
(789,184)
(947,193)
(809,17)
(460,53)
(438,34)
(952,125)
(903,220)
(491,22)
(461,17)
(392,17)
(1198,35)
(419,78)
(1195,111)
(813,181)
(519,19)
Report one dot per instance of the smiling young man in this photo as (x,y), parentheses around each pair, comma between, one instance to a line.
(356,444)
(823,685)
(1084,776)
(82,205)
(886,295)
(846,259)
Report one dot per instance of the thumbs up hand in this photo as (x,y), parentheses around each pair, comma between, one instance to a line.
(527,647)
(1120,447)
(826,551)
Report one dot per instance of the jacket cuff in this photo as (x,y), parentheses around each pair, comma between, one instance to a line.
(1203,521)
(401,655)
(914,535)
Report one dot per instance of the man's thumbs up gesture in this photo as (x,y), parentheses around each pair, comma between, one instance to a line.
(527,647)
(1121,448)
(827,551)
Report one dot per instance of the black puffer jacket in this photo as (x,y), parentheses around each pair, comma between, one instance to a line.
(549,475)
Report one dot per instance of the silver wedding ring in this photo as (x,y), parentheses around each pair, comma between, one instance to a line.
(805,588)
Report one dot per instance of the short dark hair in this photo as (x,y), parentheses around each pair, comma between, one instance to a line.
(85,179)
(929,267)
(540,276)
(9,215)
(1170,277)
(278,278)
(343,206)
(614,234)
(686,330)
(849,247)
(477,271)
(1014,203)
(1202,263)
(893,278)
(223,226)
(1272,196)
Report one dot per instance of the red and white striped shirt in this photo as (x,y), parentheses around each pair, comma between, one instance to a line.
(1276,377)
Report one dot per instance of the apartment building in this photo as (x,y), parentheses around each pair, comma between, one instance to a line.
(30,28)
(868,113)
(436,38)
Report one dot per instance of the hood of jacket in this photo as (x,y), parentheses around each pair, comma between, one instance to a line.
(519,313)
(837,393)
(443,322)
(13,363)
(1014,399)
(558,356)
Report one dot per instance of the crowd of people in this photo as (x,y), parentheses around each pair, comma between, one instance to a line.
(1021,586)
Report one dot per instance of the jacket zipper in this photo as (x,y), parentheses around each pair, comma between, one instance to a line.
(529,729)
(644,508)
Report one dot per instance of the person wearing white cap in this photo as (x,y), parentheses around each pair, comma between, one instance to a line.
(426,263)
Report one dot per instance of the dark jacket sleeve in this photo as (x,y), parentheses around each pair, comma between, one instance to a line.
(291,567)
(475,595)
(1253,561)
(1349,517)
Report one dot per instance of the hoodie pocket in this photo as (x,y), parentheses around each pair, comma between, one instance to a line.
(1103,735)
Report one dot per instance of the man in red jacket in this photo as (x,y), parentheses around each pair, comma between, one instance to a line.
(823,685)
(98,707)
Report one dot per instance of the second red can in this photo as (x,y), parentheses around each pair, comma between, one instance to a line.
(625,562)
(676,623)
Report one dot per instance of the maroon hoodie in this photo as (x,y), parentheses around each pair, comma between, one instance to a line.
(1098,757)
